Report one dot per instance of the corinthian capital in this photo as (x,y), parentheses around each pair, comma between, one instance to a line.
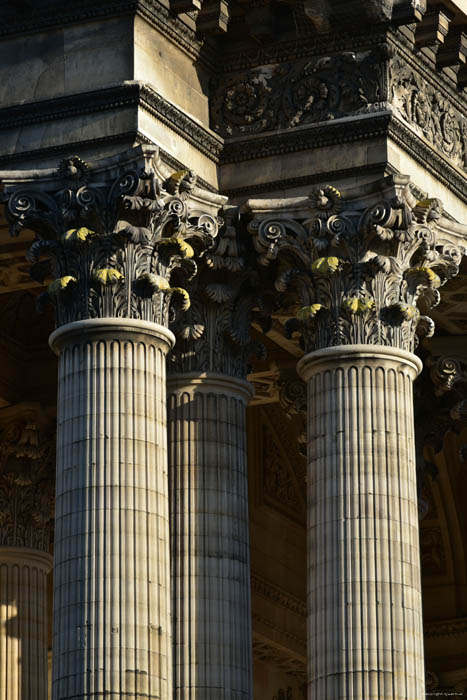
(226,300)
(360,268)
(116,238)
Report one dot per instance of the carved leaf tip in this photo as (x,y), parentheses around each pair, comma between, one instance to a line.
(107,276)
(77,235)
(185,302)
(327,266)
(183,248)
(306,313)
(357,305)
(60,284)
(148,284)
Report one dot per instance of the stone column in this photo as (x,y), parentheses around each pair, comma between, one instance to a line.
(26,510)
(111,588)
(210,539)
(364,272)
(207,398)
(23,623)
(364,590)
(114,237)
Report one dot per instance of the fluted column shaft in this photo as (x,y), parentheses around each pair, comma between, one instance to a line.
(112,635)
(365,639)
(210,547)
(23,623)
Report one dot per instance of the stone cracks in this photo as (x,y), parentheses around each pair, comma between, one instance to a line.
(117,245)
(358,275)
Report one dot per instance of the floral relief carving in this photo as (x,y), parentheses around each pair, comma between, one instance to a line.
(428,111)
(305,92)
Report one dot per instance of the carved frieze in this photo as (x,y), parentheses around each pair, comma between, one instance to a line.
(429,111)
(357,274)
(27,476)
(119,241)
(288,95)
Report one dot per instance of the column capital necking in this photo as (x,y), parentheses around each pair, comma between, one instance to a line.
(360,268)
(117,238)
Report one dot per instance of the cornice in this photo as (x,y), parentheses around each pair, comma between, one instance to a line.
(338,132)
(442,628)
(266,650)
(420,62)
(277,595)
(84,11)
(175,29)
(314,45)
(429,157)
(279,630)
(130,93)
(201,138)
(330,133)
(68,13)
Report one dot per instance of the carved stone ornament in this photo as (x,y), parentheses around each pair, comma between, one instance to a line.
(27,476)
(448,373)
(361,270)
(290,95)
(429,111)
(115,239)
(292,394)
(226,299)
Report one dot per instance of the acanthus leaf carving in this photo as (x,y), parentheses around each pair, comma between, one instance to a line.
(356,274)
(118,243)
(226,300)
